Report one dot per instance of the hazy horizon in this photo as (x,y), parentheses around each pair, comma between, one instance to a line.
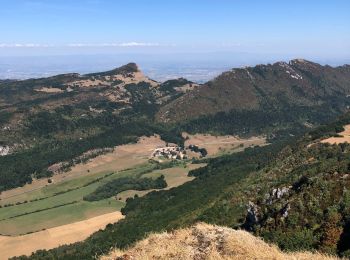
(193,39)
(199,67)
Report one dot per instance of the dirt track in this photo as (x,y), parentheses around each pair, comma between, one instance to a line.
(54,237)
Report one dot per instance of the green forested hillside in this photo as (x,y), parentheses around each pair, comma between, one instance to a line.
(50,120)
(42,128)
(291,193)
(298,84)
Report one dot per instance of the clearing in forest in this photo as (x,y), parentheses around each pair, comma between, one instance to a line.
(344,137)
(174,177)
(221,144)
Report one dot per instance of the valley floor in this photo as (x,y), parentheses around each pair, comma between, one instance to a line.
(44,215)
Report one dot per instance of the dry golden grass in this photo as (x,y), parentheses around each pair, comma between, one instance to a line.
(343,138)
(204,241)
(216,144)
(123,156)
(49,90)
(135,78)
(88,83)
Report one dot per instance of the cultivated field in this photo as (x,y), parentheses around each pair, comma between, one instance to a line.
(222,144)
(35,211)
(53,237)
(60,204)
(124,157)
(49,218)
(41,205)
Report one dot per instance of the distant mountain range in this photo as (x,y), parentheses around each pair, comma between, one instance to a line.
(299,92)
(277,101)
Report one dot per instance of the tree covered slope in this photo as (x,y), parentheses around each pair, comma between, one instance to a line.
(271,87)
(51,120)
(294,194)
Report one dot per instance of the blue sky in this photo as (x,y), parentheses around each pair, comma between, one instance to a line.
(318,28)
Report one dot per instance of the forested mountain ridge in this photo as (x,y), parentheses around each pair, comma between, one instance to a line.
(50,120)
(273,87)
(117,91)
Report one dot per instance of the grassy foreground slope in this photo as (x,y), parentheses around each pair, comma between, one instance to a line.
(296,195)
(203,241)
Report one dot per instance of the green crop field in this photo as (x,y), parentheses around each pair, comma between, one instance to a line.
(58,216)
(62,203)
(78,183)
(59,204)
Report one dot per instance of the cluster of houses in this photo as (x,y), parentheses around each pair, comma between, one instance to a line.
(4,150)
(170,152)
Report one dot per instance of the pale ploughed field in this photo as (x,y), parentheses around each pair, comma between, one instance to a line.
(222,144)
(54,237)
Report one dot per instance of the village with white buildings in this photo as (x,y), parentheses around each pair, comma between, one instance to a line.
(175,152)
(4,150)
(171,151)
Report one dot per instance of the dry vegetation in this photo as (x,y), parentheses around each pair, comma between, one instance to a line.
(204,241)
(344,137)
(50,90)
(135,77)
(54,237)
(187,87)
(217,144)
(123,156)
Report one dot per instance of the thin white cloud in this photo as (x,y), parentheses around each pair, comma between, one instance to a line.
(25,45)
(133,44)
(80,45)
